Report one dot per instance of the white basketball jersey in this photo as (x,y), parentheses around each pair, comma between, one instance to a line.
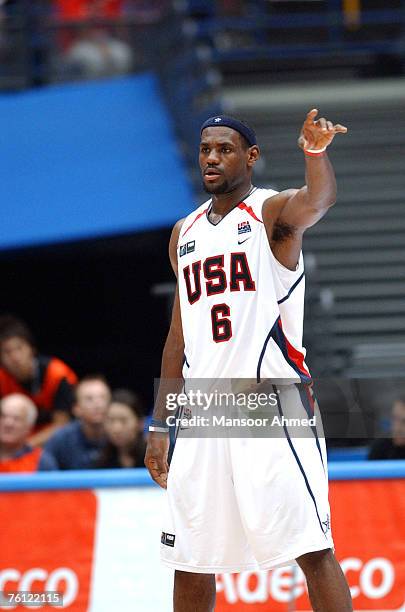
(242,311)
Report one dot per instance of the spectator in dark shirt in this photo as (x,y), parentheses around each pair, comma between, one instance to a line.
(124,428)
(17,417)
(77,446)
(46,380)
(394,447)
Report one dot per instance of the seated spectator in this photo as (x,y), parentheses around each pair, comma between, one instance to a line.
(394,447)
(46,380)
(124,428)
(77,445)
(94,51)
(17,417)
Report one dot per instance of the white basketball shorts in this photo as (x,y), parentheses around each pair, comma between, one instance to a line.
(236,504)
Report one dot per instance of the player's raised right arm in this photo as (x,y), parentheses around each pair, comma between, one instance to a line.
(170,382)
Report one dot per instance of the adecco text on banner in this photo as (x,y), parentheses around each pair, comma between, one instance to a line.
(50,547)
(61,579)
(374,579)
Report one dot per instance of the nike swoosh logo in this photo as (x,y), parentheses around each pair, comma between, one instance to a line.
(242,241)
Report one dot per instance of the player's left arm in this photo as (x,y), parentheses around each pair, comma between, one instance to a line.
(289,213)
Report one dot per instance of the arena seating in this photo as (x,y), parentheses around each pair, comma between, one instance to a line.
(258,37)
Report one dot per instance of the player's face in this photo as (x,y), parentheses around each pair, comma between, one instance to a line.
(224,160)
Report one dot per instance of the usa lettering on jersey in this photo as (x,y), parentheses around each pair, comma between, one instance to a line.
(217,280)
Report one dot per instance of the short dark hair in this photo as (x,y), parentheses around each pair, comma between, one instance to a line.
(91,378)
(13,327)
(130,399)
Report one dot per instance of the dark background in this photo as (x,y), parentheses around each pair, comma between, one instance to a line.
(92,301)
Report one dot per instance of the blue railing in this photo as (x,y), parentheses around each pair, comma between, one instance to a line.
(357,453)
(299,20)
(91,479)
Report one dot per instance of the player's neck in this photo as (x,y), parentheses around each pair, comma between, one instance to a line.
(222,203)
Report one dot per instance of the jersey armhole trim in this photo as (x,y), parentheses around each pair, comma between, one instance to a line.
(297,282)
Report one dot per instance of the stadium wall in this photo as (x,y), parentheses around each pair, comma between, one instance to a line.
(92,182)
(94,536)
(87,160)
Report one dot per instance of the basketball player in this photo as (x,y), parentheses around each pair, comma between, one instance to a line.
(238,504)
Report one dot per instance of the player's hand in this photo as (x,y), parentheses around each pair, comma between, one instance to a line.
(156,457)
(317,135)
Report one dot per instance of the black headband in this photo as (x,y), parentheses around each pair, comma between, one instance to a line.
(235,124)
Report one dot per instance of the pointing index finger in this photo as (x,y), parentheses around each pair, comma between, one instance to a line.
(312,114)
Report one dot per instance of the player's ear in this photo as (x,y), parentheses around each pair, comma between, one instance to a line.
(253,155)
